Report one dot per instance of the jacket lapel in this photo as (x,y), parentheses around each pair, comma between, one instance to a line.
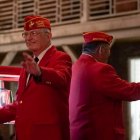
(22,83)
(46,58)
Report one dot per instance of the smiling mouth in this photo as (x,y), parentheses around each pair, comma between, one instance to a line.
(30,43)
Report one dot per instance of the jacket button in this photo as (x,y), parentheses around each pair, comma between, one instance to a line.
(49,83)
(20,102)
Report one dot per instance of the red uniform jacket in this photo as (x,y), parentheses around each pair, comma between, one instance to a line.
(41,108)
(95,100)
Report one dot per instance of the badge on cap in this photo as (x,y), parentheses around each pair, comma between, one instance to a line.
(36,22)
(31,24)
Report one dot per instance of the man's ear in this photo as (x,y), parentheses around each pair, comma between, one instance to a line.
(99,50)
(50,36)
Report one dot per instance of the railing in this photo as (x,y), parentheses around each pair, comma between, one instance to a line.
(12,12)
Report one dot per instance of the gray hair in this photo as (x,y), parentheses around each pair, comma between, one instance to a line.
(46,30)
(94,47)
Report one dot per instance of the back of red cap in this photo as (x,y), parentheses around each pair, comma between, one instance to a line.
(97,36)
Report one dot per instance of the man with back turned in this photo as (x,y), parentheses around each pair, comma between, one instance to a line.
(97,93)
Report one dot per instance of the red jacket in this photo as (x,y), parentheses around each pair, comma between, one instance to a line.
(41,108)
(95,100)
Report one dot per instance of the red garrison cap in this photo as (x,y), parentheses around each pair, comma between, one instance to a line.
(36,22)
(97,36)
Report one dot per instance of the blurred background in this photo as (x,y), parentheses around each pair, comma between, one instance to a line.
(69,19)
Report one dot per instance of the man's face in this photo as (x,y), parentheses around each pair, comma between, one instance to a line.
(37,40)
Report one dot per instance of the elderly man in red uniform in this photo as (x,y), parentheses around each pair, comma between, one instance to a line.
(97,93)
(41,107)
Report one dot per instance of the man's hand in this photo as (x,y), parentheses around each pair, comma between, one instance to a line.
(30,65)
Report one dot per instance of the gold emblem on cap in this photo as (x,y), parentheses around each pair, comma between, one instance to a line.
(31,24)
(40,23)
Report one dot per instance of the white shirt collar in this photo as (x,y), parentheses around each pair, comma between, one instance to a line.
(87,54)
(43,53)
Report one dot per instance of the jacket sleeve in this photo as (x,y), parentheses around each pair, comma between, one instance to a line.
(113,86)
(8,113)
(58,73)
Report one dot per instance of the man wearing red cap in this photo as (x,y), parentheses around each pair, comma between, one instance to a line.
(97,92)
(41,107)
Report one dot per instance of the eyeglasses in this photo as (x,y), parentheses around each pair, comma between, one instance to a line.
(31,33)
